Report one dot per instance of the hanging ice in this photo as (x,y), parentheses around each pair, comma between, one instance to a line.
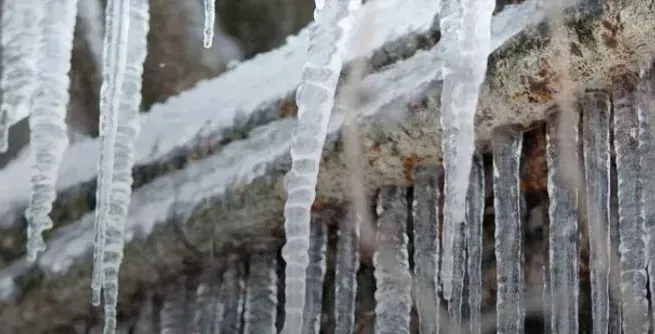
(596,141)
(48,133)
(21,26)
(392,279)
(631,223)
(315,99)
(466,37)
(506,146)
(177,314)
(120,104)
(425,211)
(474,246)
(646,105)
(561,157)
(315,276)
(210,17)
(210,310)
(346,267)
(231,296)
(261,296)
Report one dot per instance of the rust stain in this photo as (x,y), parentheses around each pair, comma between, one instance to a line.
(409,162)
(289,109)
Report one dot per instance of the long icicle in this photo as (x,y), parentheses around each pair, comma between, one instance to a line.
(346,267)
(315,275)
(597,164)
(646,105)
(210,18)
(425,211)
(474,245)
(632,245)
(510,313)
(315,99)
(563,217)
(466,34)
(391,261)
(48,131)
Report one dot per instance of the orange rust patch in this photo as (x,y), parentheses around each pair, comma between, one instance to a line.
(409,163)
(289,109)
(534,168)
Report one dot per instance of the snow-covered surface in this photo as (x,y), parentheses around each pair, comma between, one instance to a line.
(238,163)
(215,105)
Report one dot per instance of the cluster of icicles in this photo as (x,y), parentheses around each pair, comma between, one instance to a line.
(35,82)
(38,85)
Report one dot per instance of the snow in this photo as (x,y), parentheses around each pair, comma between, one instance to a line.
(48,130)
(315,98)
(510,312)
(239,162)
(183,119)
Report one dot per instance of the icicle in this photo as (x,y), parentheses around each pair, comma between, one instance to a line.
(561,156)
(48,133)
(210,310)
(596,141)
(646,105)
(315,276)
(466,37)
(315,99)
(122,101)
(177,315)
(21,27)
(231,295)
(145,323)
(506,146)
(631,224)
(261,295)
(392,279)
(425,210)
(210,17)
(474,246)
(346,267)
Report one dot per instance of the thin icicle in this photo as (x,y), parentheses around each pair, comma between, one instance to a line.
(125,106)
(210,18)
(474,246)
(145,323)
(210,310)
(510,313)
(231,295)
(315,276)
(425,211)
(91,16)
(315,99)
(113,67)
(391,261)
(631,224)
(261,295)
(561,148)
(48,132)
(176,315)
(596,141)
(466,36)
(21,27)
(346,267)
(646,105)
